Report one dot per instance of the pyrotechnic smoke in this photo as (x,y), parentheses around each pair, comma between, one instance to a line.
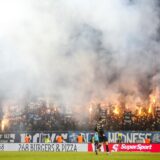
(76,51)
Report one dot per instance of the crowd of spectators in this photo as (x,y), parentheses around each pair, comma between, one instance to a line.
(43,118)
(146,122)
(39,118)
(133,120)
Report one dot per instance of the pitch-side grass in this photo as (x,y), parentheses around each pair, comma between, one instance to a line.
(77,156)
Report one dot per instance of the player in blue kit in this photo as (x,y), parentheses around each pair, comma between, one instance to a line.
(101,135)
(96,142)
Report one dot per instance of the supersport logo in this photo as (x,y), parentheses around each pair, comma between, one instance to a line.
(115,147)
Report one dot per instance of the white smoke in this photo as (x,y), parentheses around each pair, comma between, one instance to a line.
(78,50)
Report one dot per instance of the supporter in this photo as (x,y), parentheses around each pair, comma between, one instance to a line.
(59,139)
(47,139)
(27,138)
(147,140)
(119,138)
(80,138)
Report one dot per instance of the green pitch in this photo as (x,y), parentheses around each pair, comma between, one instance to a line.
(77,156)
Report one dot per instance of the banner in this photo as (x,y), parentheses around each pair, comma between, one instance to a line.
(36,137)
(75,147)
(44,147)
(128,147)
(71,136)
(129,137)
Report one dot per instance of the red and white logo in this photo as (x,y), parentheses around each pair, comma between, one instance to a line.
(129,147)
(115,148)
(137,147)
